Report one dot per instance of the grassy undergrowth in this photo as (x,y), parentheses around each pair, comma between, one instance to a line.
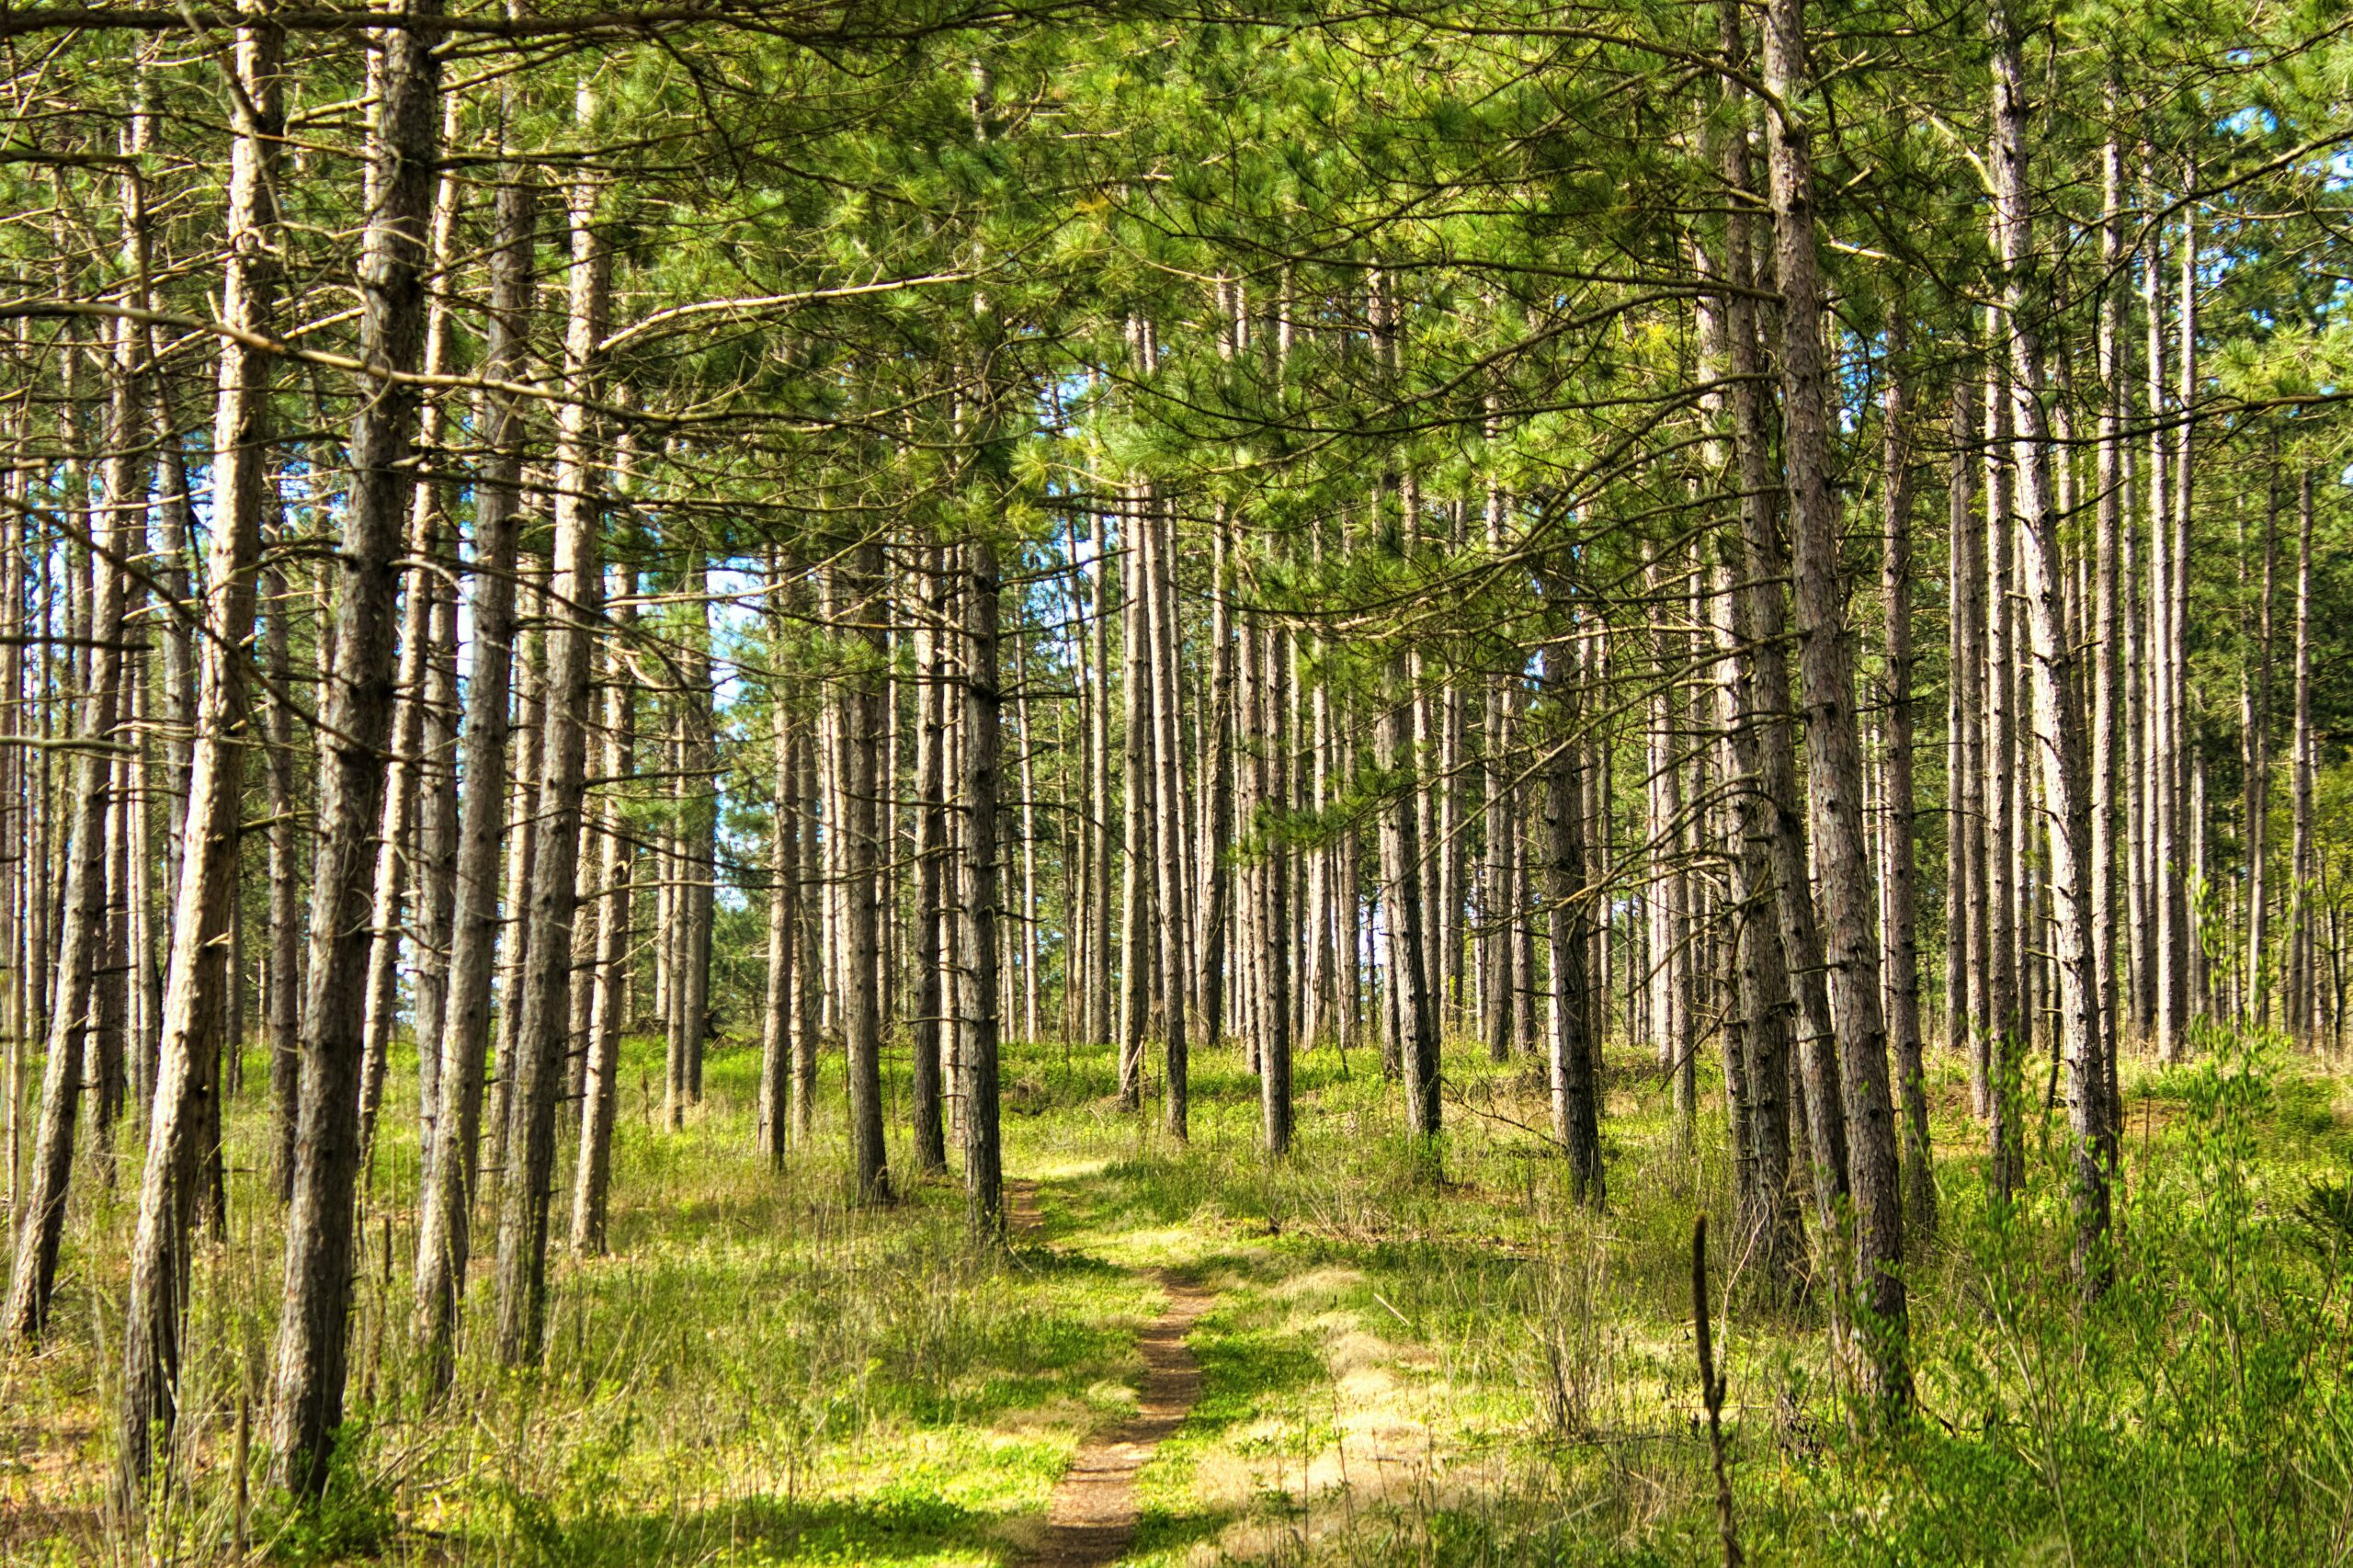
(1467,1370)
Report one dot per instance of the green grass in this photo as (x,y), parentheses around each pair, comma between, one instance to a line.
(1463,1371)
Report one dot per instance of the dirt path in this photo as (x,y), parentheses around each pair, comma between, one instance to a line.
(1091,1518)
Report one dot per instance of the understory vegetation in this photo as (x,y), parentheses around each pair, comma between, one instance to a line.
(1468,1370)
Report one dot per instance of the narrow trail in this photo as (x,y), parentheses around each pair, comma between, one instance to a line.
(1091,1518)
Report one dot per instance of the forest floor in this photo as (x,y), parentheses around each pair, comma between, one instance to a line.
(1189,1355)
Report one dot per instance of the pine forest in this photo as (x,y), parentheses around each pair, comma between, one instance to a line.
(1030,784)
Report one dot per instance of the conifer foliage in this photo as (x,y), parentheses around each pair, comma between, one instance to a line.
(1769,548)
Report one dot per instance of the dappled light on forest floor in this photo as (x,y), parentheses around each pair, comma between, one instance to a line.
(760,1374)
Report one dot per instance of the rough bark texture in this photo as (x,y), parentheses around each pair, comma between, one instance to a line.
(309,1377)
(858,582)
(979,893)
(1575,1116)
(444,1227)
(617,855)
(1833,738)
(542,1036)
(197,979)
(1898,933)
(2059,720)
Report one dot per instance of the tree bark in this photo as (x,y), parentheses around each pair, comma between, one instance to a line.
(769,1129)
(977,977)
(856,587)
(1135,874)
(1898,931)
(181,1121)
(85,1029)
(1160,592)
(1758,619)
(575,587)
(404,778)
(1274,1011)
(2304,969)
(2108,525)
(1833,741)
(444,1226)
(1575,1116)
(2059,722)
(2002,1048)
(1401,854)
(600,1094)
(320,1220)
(932,870)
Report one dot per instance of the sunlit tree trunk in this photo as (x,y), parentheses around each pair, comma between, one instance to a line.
(2108,526)
(617,855)
(1832,739)
(197,980)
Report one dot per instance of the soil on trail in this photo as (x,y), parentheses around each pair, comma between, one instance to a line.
(1091,1518)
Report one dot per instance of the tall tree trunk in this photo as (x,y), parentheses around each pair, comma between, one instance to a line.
(769,1129)
(2058,722)
(404,778)
(977,1003)
(437,856)
(320,1220)
(1760,618)
(600,1094)
(526,751)
(85,1028)
(1499,903)
(699,863)
(1218,765)
(1764,1002)
(1030,911)
(932,870)
(16,805)
(2255,828)
(1965,1006)
(282,1003)
(1135,869)
(200,977)
(1833,741)
(444,1220)
(1576,1115)
(2190,820)
(2160,750)
(2304,971)
(1176,964)
(542,1036)
(1272,918)
(1901,944)
(806,1010)
(2002,1047)
(2108,525)
(1664,891)
(1400,855)
(856,586)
